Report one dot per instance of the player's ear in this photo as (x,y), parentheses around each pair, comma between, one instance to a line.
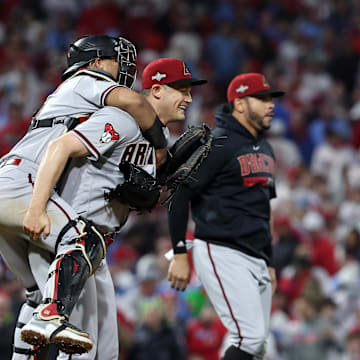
(156,91)
(95,64)
(238,105)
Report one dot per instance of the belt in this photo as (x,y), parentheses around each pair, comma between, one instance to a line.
(10,162)
(67,120)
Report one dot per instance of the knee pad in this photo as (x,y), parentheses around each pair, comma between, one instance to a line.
(92,243)
(90,240)
(233,353)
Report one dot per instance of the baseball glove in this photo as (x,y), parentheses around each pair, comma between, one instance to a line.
(140,190)
(185,156)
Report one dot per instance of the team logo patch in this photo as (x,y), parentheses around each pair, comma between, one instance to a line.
(109,134)
(241,89)
(158,76)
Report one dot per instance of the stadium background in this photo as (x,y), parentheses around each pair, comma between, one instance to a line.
(309,48)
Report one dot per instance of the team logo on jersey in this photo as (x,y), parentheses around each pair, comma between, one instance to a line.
(109,134)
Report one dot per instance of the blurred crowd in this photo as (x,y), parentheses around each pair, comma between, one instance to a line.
(310,49)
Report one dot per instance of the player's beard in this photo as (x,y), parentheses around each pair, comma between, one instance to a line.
(256,120)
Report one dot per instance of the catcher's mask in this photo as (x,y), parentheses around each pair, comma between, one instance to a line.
(83,51)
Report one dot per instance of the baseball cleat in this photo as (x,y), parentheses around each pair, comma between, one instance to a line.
(58,331)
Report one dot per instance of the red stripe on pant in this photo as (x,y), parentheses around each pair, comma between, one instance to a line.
(224,294)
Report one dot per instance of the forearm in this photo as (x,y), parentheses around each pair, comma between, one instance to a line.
(52,165)
(141,110)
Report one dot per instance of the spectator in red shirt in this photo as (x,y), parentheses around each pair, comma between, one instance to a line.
(205,335)
(322,246)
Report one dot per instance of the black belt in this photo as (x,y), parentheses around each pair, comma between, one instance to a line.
(70,121)
(35,123)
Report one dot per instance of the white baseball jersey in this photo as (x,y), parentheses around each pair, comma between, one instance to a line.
(78,95)
(111,136)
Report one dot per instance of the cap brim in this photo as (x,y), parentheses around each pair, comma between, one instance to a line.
(192,82)
(273,93)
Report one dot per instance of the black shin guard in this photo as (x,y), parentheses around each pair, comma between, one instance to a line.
(71,274)
(74,267)
(233,353)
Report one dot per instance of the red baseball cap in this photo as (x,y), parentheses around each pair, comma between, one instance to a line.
(251,84)
(168,71)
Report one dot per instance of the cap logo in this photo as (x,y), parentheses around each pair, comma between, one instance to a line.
(158,76)
(186,70)
(241,89)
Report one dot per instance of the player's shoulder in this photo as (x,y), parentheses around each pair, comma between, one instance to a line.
(93,75)
(115,112)
(119,118)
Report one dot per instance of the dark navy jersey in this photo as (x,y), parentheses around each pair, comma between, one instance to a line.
(230,194)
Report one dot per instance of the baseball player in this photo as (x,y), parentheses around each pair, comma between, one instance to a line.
(230,205)
(100,68)
(98,145)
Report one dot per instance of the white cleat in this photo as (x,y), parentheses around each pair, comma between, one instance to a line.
(58,331)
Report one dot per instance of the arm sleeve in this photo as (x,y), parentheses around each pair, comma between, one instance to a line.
(178,213)
(178,216)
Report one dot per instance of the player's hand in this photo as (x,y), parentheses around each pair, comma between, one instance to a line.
(161,157)
(273,279)
(35,223)
(179,272)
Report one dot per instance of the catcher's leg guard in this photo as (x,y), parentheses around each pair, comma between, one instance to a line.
(67,277)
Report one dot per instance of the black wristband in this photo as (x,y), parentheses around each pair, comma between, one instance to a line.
(180,247)
(155,134)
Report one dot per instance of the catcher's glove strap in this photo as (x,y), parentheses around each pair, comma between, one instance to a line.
(36,123)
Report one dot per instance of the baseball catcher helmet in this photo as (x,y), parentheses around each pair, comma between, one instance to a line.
(90,47)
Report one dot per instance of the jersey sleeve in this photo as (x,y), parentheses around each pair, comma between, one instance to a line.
(94,90)
(105,129)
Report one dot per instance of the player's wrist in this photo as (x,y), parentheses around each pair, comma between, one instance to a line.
(180,250)
(37,209)
(180,256)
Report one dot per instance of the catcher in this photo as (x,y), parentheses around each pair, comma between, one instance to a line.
(96,147)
